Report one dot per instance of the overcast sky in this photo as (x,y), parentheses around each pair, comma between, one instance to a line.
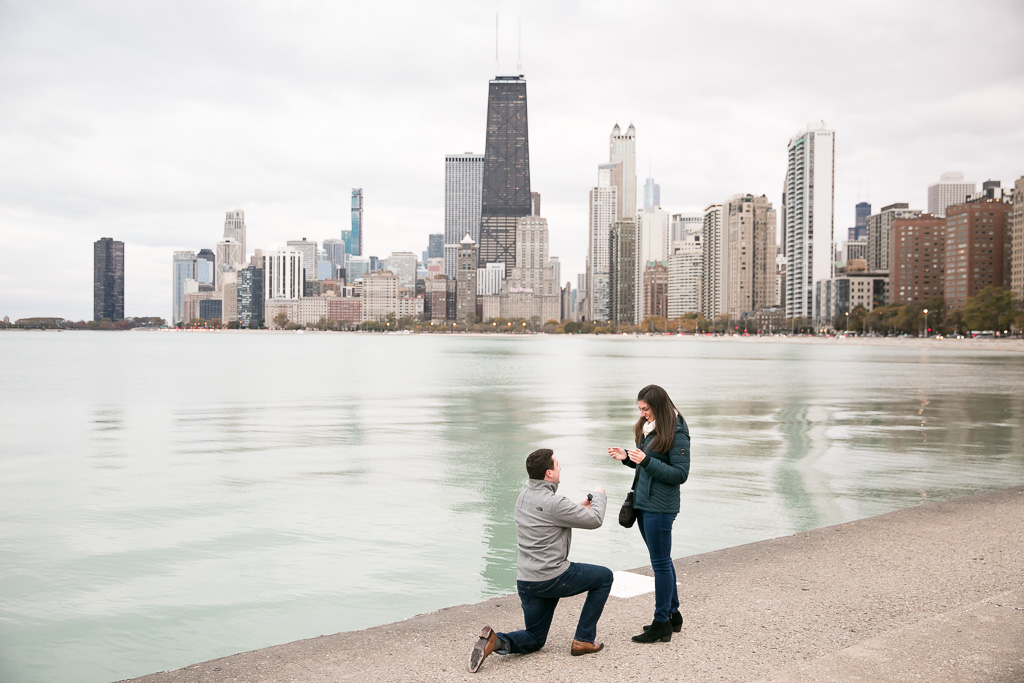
(147,121)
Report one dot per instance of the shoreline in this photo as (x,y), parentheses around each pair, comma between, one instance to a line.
(1003,344)
(934,592)
(1013,344)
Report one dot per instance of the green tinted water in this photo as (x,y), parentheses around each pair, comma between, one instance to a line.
(174,497)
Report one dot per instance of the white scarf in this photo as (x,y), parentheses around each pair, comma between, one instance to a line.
(648,428)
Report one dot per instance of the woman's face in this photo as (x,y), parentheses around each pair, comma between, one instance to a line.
(645,411)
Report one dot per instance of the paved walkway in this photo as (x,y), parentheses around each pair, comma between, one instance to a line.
(932,593)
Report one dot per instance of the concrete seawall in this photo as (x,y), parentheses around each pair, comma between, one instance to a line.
(933,593)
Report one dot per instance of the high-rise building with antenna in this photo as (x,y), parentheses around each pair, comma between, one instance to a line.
(652,194)
(505,195)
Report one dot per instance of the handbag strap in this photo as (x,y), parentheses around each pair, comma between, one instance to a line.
(636,477)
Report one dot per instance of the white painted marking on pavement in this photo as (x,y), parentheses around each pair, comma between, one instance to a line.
(630,585)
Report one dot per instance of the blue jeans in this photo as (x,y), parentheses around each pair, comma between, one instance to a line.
(540,598)
(656,530)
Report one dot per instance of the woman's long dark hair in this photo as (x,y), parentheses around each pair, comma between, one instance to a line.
(664,418)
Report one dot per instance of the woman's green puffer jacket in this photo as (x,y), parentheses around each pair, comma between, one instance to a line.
(657,487)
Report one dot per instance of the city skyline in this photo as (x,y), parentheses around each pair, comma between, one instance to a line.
(97,147)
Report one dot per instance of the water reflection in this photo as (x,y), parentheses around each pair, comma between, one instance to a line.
(106,446)
(265,507)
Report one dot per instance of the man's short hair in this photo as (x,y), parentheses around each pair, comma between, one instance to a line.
(539,462)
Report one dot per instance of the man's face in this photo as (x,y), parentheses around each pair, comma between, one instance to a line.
(555,473)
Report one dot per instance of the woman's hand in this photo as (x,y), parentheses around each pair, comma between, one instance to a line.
(636,455)
(617,453)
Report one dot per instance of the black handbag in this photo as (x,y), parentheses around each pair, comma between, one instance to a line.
(627,513)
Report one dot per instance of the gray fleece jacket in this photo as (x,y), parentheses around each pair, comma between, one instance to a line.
(544,524)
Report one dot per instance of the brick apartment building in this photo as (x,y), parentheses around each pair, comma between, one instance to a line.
(917,259)
(976,241)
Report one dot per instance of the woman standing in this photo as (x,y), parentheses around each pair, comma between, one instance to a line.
(662,461)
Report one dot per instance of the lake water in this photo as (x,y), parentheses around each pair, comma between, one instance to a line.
(172,497)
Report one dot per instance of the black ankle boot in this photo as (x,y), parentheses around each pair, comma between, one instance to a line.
(674,618)
(659,630)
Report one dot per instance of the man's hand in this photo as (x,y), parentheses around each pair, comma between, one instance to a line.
(617,453)
(586,502)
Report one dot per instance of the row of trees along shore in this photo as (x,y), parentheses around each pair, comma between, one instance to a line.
(105,324)
(994,309)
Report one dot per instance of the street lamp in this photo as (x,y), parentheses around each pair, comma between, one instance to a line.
(847,313)
(926,322)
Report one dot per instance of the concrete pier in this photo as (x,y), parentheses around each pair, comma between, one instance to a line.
(931,593)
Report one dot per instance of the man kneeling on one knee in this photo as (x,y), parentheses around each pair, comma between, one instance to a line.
(544,524)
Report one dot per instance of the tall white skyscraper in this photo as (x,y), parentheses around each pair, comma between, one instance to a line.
(463,187)
(234,229)
(949,191)
(714,284)
(603,212)
(654,224)
(622,149)
(810,216)
(283,274)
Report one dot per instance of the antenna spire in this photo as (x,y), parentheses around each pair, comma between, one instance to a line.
(519,55)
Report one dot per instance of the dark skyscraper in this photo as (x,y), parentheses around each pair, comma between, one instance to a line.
(860,229)
(250,296)
(506,184)
(206,273)
(108,279)
(863,211)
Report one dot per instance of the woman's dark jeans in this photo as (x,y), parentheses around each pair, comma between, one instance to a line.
(656,530)
(540,598)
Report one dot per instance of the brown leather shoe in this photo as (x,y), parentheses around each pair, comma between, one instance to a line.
(581,648)
(483,647)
